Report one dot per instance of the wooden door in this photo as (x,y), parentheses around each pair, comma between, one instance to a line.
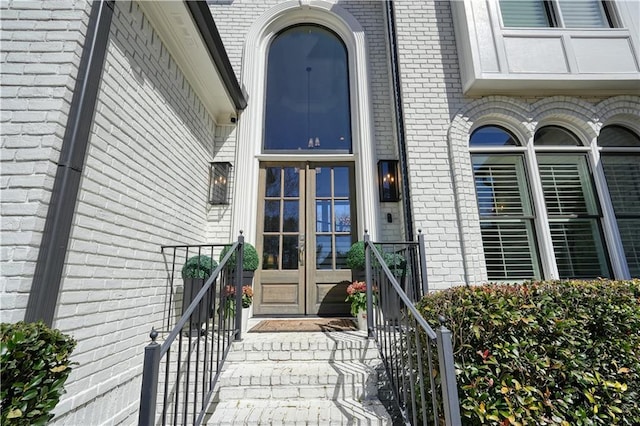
(306,224)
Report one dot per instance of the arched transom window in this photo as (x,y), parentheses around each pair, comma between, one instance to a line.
(307,103)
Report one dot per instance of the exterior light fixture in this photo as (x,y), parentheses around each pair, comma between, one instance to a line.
(388,180)
(219,182)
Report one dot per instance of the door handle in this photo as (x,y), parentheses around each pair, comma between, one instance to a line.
(301,249)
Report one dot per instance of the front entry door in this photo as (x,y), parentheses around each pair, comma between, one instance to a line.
(306,224)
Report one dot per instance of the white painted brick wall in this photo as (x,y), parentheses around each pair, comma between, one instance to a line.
(41,47)
(144,185)
(431,95)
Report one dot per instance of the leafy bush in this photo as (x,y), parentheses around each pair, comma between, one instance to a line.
(565,353)
(35,364)
(250,260)
(198,267)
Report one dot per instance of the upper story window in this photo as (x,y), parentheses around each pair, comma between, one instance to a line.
(307,102)
(557,13)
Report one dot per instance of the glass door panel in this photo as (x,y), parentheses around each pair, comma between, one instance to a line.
(305,232)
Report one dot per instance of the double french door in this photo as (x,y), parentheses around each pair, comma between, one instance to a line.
(306,224)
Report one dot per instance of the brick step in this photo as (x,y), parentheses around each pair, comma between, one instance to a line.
(315,347)
(293,380)
(297,412)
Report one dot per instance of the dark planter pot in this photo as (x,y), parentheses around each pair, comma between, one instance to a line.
(247,278)
(192,287)
(358,275)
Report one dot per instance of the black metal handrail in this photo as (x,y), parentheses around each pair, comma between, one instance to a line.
(194,350)
(409,347)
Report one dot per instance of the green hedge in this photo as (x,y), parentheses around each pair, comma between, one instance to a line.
(35,364)
(565,352)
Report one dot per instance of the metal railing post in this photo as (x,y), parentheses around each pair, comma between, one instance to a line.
(423,264)
(368,278)
(238,284)
(149,391)
(448,376)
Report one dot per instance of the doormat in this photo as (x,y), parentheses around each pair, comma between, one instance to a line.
(307,324)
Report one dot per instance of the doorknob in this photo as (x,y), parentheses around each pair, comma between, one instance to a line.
(301,249)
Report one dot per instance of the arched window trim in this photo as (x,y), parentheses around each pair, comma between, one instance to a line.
(248,152)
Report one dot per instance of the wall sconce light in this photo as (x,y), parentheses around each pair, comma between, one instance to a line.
(219,182)
(388,180)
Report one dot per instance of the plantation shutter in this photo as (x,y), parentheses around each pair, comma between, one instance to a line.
(573,216)
(623,177)
(524,13)
(583,14)
(506,219)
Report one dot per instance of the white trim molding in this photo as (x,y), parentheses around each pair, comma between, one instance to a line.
(251,122)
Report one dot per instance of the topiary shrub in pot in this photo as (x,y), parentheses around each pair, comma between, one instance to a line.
(250,263)
(356,261)
(195,272)
(34,363)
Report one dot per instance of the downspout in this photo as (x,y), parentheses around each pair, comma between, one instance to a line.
(45,288)
(399,116)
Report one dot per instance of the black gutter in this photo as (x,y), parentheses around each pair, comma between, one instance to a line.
(204,22)
(400,131)
(43,296)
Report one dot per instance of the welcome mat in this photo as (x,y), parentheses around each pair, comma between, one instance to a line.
(306,324)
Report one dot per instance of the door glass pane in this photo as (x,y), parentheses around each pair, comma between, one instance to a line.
(290,252)
(324,249)
(323,182)
(307,100)
(341,184)
(270,251)
(343,215)
(272,185)
(291,216)
(271,216)
(323,216)
(291,182)
(343,243)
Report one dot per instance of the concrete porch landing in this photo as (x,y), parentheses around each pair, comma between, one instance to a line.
(303,378)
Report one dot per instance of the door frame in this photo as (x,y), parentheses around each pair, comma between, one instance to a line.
(310,278)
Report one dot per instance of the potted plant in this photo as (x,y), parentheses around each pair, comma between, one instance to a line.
(230,303)
(195,272)
(357,297)
(356,261)
(250,262)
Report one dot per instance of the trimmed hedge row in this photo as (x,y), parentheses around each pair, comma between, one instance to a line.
(537,353)
(34,361)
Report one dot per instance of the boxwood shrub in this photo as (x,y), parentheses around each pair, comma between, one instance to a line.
(537,353)
(34,363)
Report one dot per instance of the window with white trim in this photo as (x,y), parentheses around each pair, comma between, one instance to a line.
(557,13)
(620,158)
(572,220)
(504,204)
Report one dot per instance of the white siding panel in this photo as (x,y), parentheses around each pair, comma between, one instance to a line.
(615,55)
(535,55)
